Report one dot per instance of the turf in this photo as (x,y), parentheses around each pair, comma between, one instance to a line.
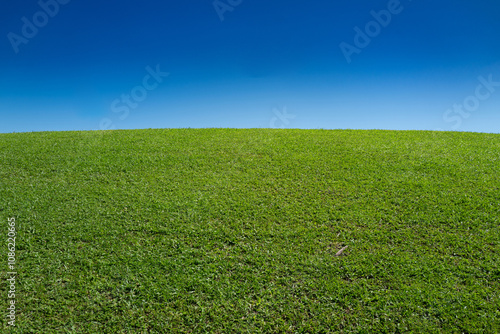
(236,231)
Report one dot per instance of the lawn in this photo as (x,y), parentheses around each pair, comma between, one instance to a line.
(236,231)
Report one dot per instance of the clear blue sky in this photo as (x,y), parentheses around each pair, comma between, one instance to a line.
(88,65)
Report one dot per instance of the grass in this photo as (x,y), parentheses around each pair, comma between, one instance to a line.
(236,231)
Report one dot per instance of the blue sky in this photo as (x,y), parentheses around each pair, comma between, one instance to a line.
(89,65)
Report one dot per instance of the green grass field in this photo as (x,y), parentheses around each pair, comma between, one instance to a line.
(236,231)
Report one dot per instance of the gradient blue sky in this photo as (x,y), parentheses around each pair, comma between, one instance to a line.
(263,59)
